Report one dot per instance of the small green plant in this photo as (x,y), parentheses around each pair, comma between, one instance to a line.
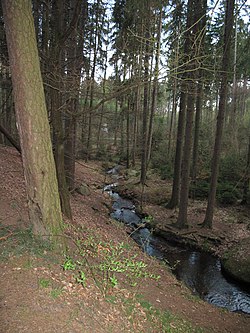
(69,264)
(109,262)
(44,283)
(56,292)
(113,281)
(148,219)
(81,278)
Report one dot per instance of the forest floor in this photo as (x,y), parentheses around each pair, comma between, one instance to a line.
(105,284)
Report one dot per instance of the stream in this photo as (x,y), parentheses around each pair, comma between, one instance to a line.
(200,271)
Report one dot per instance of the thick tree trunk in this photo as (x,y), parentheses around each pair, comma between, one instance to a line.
(33,125)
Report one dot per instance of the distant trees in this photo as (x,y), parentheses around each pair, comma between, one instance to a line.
(33,125)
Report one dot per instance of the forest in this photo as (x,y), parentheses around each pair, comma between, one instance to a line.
(150,86)
(163,85)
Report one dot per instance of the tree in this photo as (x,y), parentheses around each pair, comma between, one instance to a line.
(33,125)
(174,200)
(200,86)
(225,67)
(74,66)
(194,15)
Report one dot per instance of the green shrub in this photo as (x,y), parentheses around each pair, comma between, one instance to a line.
(160,163)
(231,168)
(199,189)
(227,193)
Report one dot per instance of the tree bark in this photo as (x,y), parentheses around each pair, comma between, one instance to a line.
(33,125)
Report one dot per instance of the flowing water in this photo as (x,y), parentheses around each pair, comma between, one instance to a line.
(201,272)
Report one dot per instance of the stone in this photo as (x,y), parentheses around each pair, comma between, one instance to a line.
(83,189)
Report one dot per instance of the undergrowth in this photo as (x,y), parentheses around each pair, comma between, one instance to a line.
(115,270)
(16,242)
(109,264)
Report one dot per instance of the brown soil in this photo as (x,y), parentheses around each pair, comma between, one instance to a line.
(37,295)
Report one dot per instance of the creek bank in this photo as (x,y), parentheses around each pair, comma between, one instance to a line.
(236,261)
(201,272)
(223,241)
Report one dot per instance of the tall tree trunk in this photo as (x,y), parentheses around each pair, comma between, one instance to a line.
(33,125)
(103,96)
(174,200)
(75,59)
(128,135)
(198,110)
(137,106)
(199,96)
(56,103)
(195,13)
(59,36)
(233,119)
(246,187)
(135,127)
(155,88)
(229,19)
(174,91)
(186,160)
(188,54)
(144,137)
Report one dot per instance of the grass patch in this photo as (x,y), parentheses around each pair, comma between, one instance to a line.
(154,320)
(44,283)
(56,292)
(17,242)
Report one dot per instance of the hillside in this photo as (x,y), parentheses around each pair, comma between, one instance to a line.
(41,291)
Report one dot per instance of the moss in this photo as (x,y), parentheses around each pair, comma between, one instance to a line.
(236,261)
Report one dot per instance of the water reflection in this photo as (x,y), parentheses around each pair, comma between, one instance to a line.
(201,272)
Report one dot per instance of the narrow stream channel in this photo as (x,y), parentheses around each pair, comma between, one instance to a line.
(201,272)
